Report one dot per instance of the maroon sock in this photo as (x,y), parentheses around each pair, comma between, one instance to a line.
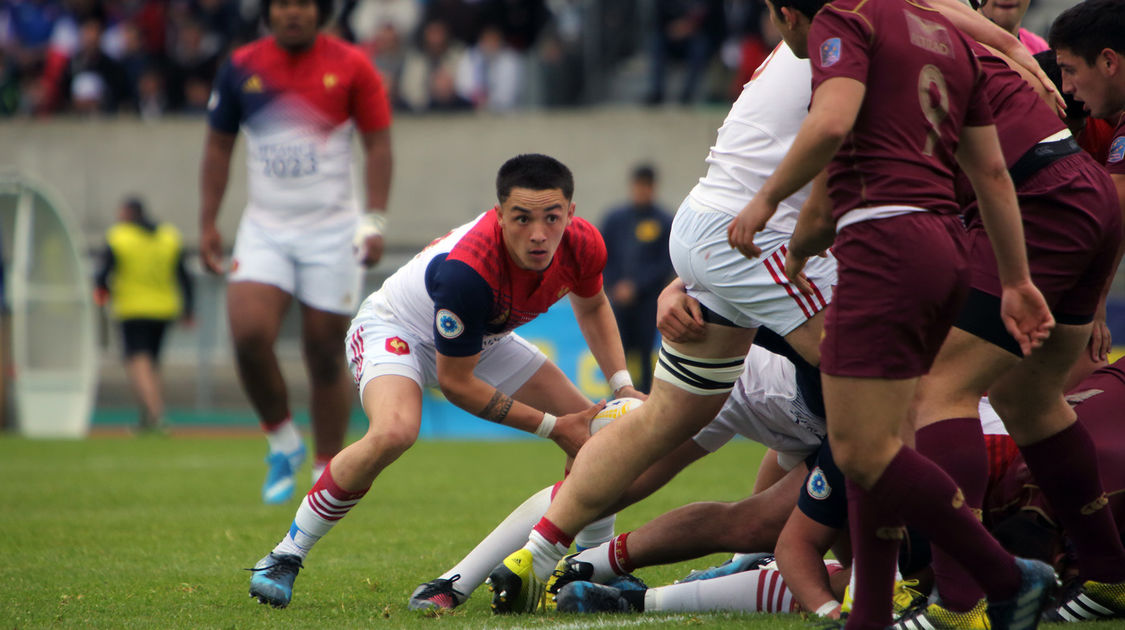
(874,528)
(928,500)
(1065,467)
(957,447)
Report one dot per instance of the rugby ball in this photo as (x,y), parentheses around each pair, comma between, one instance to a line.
(613,410)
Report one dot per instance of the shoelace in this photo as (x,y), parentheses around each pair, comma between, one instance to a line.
(274,570)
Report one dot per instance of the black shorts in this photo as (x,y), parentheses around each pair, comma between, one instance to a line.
(143,336)
(824,497)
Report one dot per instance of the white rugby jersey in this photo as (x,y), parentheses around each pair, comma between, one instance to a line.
(755,136)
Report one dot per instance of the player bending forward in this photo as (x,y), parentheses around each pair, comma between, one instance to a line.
(446,318)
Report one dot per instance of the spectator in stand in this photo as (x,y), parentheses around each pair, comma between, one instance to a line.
(368,17)
(92,81)
(427,75)
(687,29)
(388,53)
(637,268)
(193,57)
(490,75)
(520,21)
(753,49)
(143,278)
(1008,15)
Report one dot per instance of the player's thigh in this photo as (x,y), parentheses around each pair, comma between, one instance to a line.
(377,348)
(1029,397)
(393,405)
(769,471)
(255,311)
(328,276)
(321,332)
(965,367)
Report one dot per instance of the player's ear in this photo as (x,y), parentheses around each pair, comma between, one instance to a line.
(570,213)
(791,17)
(1109,61)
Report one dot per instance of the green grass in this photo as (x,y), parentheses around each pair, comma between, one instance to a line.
(154,532)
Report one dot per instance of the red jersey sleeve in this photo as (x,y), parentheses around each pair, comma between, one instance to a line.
(839,46)
(589,257)
(369,103)
(979,110)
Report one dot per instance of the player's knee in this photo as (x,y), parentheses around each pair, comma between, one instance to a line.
(391,439)
(252,346)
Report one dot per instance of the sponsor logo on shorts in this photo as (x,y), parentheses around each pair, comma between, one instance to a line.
(817,485)
(1116,150)
(830,52)
(448,324)
(397,346)
(1095,505)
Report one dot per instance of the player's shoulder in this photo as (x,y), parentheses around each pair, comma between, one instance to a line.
(582,231)
(332,47)
(251,52)
(584,243)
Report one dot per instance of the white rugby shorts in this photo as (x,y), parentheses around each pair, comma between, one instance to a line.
(379,347)
(316,265)
(749,293)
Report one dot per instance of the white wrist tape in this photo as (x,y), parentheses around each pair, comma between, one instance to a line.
(827,607)
(546,426)
(620,379)
(372,223)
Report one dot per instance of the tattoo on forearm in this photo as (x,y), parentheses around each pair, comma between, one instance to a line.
(497,408)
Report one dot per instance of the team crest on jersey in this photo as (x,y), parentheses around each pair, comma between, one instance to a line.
(817,485)
(252,85)
(397,346)
(1116,150)
(647,231)
(330,81)
(448,324)
(830,52)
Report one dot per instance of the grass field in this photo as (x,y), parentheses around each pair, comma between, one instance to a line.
(153,533)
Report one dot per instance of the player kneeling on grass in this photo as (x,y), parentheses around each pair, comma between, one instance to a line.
(446,318)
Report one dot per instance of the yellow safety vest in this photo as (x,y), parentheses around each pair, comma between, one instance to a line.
(143,283)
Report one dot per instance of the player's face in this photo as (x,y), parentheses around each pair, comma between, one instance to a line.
(1007,14)
(532,222)
(293,23)
(1090,84)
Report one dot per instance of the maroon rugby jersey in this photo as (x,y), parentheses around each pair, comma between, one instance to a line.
(922,86)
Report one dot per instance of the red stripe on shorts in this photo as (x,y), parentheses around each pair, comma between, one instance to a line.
(783,281)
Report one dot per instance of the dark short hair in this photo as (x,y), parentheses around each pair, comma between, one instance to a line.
(644,173)
(1090,27)
(534,171)
(135,205)
(807,7)
(324,9)
(1050,66)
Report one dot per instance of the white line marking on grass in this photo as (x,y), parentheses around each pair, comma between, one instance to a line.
(611,623)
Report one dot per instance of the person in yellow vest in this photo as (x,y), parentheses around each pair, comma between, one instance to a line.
(143,279)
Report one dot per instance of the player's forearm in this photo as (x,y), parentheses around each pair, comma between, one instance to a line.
(802,567)
(485,401)
(815,230)
(214,171)
(599,329)
(377,169)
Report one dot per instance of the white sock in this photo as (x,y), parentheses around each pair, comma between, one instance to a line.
(598,557)
(284,438)
(502,541)
(761,590)
(596,533)
(306,529)
(544,555)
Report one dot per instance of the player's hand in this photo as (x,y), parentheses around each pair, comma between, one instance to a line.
(794,270)
(1026,315)
(572,430)
(1101,341)
(678,315)
(750,220)
(371,251)
(630,392)
(211,249)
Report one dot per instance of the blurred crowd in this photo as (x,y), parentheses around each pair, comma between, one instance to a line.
(155,57)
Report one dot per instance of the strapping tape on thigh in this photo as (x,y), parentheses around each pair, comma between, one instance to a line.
(697,375)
